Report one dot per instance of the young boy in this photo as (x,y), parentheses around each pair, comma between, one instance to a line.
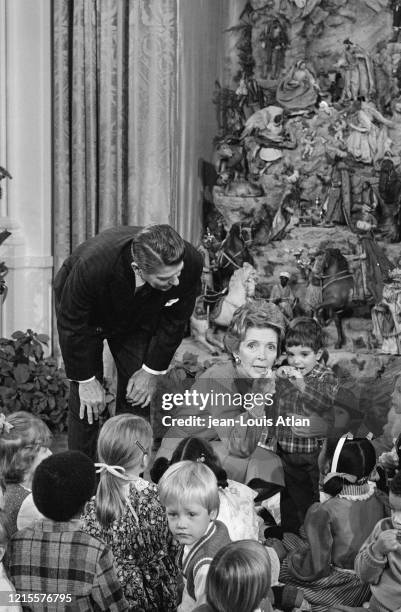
(189,492)
(54,556)
(379,560)
(306,389)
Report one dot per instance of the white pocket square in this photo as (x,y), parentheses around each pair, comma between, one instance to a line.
(171,302)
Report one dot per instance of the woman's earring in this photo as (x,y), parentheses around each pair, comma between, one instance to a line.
(237,360)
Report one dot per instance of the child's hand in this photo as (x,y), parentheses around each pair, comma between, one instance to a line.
(293,375)
(287,371)
(386,542)
(389,459)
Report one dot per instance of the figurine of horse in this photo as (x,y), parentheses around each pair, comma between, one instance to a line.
(232,254)
(240,288)
(200,327)
(206,316)
(328,292)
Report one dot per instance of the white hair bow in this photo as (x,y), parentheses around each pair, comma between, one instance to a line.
(115,470)
(348,477)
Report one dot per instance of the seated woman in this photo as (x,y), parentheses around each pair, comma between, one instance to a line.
(298,90)
(229,403)
(322,564)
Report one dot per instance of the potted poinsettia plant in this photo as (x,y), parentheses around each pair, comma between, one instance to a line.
(35,383)
(32,382)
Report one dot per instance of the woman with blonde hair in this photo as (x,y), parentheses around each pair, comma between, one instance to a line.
(126,514)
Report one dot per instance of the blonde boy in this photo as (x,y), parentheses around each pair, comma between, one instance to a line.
(189,492)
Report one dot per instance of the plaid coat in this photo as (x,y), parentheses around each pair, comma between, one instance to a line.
(59,558)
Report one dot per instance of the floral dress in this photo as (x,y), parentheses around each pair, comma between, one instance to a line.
(143,549)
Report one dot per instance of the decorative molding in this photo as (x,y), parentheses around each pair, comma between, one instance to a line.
(33,261)
(25,150)
(3,101)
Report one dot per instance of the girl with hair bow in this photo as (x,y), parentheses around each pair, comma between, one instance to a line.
(322,563)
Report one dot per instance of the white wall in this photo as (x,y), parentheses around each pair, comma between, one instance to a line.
(25,150)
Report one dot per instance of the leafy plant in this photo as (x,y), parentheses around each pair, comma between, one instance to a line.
(29,381)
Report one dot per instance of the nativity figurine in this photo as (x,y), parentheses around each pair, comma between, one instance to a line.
(282,295)
(298,90)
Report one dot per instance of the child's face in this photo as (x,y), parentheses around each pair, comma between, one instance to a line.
(303,358)
(341,418)
(188,521)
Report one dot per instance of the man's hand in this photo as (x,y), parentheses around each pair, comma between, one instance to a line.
(93,399)
(141,386)
(385,543)
(317,427)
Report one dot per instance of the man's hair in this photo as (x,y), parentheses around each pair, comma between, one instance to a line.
(187,481)
(62,484)
(156,246)
(239,577)
(304,331)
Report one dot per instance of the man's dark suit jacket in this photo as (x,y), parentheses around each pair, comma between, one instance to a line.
(95,299)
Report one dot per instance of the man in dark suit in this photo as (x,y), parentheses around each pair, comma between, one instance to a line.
(136,288)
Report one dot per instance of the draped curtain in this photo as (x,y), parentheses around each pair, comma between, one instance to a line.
(133,115)
(133,112)
(114,109)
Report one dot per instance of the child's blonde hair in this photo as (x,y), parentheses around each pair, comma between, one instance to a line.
(122,441)
(20,444)
(239,577)
(188,481)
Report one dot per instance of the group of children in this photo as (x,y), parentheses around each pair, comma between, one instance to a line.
(193,540)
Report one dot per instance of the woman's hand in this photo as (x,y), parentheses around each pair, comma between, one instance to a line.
(265,385)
